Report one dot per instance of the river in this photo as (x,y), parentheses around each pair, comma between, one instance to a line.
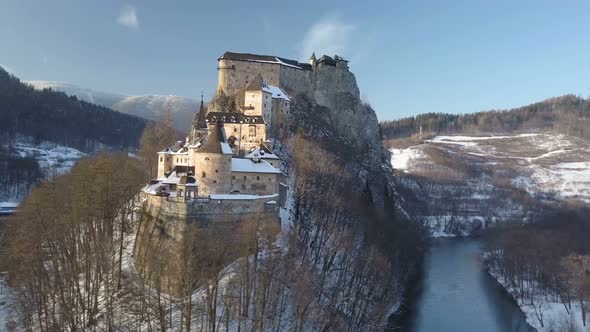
(456,294)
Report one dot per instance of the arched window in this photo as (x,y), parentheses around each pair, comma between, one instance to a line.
(203,175)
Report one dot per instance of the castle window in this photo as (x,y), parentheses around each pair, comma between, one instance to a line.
(258,178)
(252,131)
(235,130)
(214,181)
(244,177)
(168,158)
(161,159)
(216,171)
(203,175)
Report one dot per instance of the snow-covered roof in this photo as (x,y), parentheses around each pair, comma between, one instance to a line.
(168,151)
(173,178)
(226,149)
(277,93)
(260,153)
(241,196)
(245,165)
(152,188)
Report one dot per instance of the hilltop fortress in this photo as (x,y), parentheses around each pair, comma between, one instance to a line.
(236,70)
(225,174)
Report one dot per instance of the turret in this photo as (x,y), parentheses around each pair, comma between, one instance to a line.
(212,162)
(312,60)
(199,126)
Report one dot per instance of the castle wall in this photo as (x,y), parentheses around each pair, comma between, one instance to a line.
(295,80)
(250,139)
(255,183)
(324,84)
(165,162)
(171,233)
(280,115)
(235,75)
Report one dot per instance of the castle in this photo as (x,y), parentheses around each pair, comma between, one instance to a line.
(224,173)
(219,156)
(237,70)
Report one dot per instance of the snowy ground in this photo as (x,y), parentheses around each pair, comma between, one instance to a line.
(552,165)
(553,314)
(54,159)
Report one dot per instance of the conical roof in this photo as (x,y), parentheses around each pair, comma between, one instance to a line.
(312,57)
(257,84)
(214,139)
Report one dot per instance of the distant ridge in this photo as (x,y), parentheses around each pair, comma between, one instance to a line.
(568,114)
(149,107)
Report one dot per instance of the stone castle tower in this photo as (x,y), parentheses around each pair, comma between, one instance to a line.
(213,163)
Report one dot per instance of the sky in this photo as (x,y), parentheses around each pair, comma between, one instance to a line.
(409,57)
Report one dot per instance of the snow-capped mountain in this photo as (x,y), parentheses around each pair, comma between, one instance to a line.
(459,183)
(146,106)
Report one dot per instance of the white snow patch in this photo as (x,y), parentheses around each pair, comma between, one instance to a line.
(402,159)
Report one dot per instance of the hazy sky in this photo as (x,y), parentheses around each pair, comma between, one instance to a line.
(409,57)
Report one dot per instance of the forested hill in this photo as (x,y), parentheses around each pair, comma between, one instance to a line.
(53,116)
(567,114)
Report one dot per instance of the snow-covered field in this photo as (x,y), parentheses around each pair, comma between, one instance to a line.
(551,165)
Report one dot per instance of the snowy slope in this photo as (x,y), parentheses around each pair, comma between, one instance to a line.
(483,179)
(53,159)
(146,106)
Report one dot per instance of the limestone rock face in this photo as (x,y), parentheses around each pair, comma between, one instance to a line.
(330,109)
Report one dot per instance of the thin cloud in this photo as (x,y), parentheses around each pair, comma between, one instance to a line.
(128,17)
(327,36)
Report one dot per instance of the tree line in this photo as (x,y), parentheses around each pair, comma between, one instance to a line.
(567,114)
(546,260)
(17,174)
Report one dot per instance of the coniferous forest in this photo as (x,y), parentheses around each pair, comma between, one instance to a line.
(569,115)
(53,116)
